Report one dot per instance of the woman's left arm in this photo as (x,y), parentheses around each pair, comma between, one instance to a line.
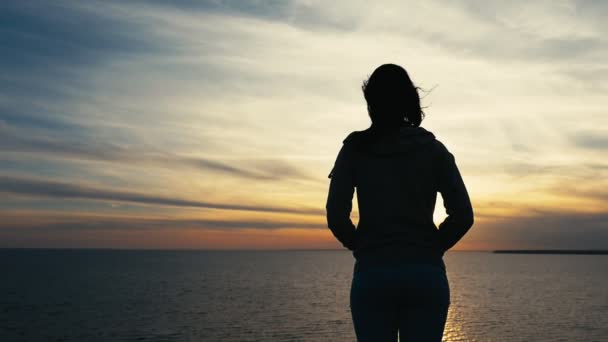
(339,199)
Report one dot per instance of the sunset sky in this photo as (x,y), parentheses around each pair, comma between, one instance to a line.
(144,124)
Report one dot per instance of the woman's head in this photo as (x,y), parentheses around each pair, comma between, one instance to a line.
(392,99)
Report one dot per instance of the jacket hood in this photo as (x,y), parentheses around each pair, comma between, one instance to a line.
(377,142)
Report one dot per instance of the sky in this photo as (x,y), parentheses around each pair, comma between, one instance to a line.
(214,124)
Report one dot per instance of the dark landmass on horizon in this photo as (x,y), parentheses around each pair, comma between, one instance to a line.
(552,251)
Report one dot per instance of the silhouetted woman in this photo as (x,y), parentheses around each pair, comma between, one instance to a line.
(399,282)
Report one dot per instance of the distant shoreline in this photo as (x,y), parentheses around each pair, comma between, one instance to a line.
(551,251)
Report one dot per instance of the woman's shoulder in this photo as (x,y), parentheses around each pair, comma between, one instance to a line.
(355,136)
(408,140)
(440,146)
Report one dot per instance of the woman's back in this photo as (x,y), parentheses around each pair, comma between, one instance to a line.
(397,175)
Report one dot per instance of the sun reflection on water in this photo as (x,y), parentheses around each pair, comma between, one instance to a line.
(453,328)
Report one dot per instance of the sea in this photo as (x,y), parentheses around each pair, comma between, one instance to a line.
(129,295)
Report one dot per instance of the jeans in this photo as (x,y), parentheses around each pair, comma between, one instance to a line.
(411,299)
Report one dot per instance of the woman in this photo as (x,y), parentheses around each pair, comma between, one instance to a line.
(399,282)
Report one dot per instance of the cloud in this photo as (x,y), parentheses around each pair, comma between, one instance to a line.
(50,36)
(85,148)
(81,222)
(592,140)
(543,229)
(52,189)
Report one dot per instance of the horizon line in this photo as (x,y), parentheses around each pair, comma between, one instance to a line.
(207,249)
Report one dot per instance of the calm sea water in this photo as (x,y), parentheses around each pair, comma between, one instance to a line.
(88,295)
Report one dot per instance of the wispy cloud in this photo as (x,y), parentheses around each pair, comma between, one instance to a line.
(66,223)
(59,147)
(595,140)
(559,229)
(52,189)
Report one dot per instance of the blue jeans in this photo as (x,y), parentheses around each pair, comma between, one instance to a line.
(410,298)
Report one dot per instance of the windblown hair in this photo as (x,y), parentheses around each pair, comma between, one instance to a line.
(392,98)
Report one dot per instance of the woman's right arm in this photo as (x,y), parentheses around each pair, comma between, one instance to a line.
(456,202)
(339,199)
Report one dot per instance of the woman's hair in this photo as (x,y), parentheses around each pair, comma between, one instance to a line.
(392,99)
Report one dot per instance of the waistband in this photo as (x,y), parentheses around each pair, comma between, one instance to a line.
(391,257)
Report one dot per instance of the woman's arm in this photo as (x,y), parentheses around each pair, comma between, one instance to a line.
(339,199)
(456,202)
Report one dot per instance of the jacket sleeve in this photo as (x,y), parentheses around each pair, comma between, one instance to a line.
(339,199)
(456,202)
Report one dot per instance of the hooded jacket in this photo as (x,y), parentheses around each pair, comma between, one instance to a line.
(397,175)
